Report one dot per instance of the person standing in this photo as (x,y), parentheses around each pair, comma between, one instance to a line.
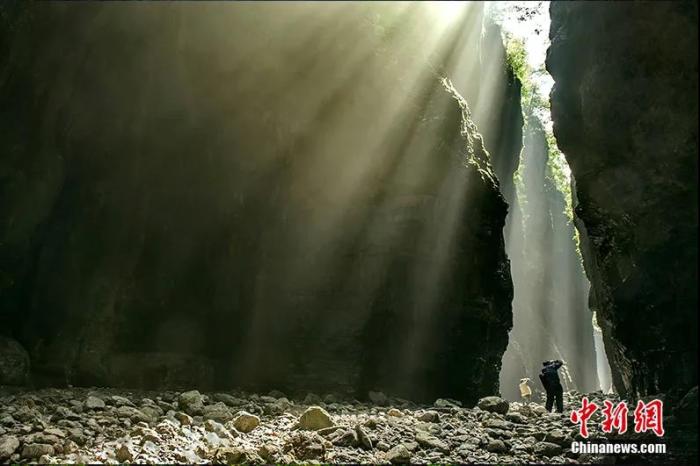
(525,390)
(552,385)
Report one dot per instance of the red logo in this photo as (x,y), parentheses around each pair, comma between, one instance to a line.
(582,415)
(615,418)
(647,416)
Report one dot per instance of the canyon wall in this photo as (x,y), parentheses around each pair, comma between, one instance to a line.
(246,195)
(624,106)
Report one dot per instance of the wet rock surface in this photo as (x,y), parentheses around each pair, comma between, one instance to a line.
(51,426)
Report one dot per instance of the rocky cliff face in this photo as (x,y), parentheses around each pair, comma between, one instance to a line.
(493,90)
(625,114)
(242,196)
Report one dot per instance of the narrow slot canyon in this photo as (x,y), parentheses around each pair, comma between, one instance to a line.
(344,232)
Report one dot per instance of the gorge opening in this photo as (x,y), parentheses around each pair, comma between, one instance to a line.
(551,315)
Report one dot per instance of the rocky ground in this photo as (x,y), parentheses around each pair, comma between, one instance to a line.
(111,426)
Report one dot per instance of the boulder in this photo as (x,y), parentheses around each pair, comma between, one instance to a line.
(363,438)
(92,402)
(398,455)
(494,404)
(246,422)
(123,454)
(497,446)
(227,399)
(191,402)
(429,416)
(315,418)
(217,412)
(426,440)
(134,414)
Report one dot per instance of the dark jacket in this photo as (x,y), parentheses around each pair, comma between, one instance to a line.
(549,375)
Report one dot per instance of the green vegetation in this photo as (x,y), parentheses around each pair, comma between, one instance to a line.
(558,172)
(536,106)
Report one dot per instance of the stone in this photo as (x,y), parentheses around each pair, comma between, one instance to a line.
(443,403)
(497,446)
(494,404)
(345,438)
(183,418)
(393,412)
(133,414)
(42,438)
(77,436)
(218,412)
(36,450)
(363,438)
(64,413)
(219,429)
(398,455)
(8,445)
(268,452)
(315,418)
(14,362)
(326,431)
(121,401)
(227,399)
(278,406)
(429,416)
(547,449)
(235,455)
(92,402)
(496,423)
(151,411)
(123,454)
(191,402)
(246,422)
(426,440)
(383,446)
(516,418)
(556,436)
(538,410)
